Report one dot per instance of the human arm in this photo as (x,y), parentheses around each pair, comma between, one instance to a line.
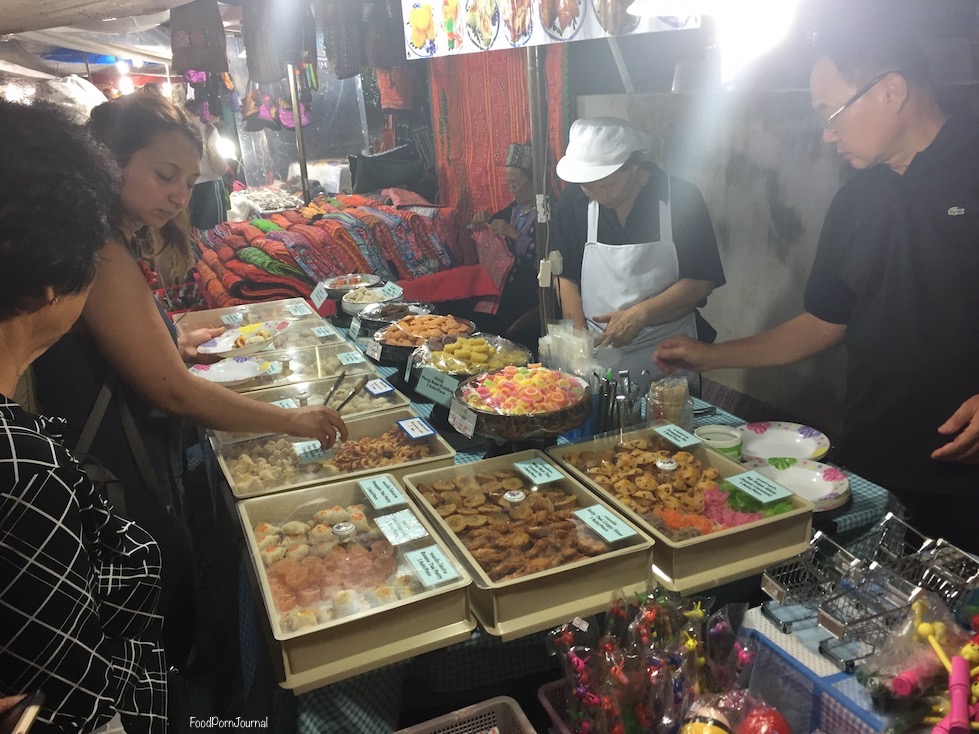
(136,343)
(799,338)
(965,423)
(678,300)
(46,594)
(570,294)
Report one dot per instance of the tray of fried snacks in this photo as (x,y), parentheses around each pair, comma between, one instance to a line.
(713,519)
(539,546)
(395,343)
(397,442)
(379,315)
(373,396)
(353,576)
(291,366)
(288,309)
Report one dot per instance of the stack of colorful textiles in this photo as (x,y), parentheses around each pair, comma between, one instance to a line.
(286,254)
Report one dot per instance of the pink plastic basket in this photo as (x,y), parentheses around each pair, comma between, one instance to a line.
(501,712)
(554,698)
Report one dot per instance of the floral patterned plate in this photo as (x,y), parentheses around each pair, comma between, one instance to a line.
(774,439)
(232,372)
(823,485)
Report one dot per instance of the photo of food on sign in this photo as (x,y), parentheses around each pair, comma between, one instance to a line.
(561,19)
(517,21)
(483,21)
(421,20)
(613,16)
(451,12)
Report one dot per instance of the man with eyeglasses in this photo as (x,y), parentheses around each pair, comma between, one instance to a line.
(896,279)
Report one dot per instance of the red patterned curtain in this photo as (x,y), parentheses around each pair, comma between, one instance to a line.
(479,107)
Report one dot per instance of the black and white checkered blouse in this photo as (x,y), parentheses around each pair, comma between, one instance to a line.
(78,589)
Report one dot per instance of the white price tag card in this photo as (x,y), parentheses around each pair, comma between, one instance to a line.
(373,349)
(677,435)
(350,357)
(408,370)
(324,332)
(286,403)
(538,471)
(378,387)
(432,566)
(436,386)
(401,527)
(382,492)
(299,309)
(761,488)
(319,295)
(390,290)
(230,319)
(603,522)
(311,451)
(354,329)
(416,428)
(462,419)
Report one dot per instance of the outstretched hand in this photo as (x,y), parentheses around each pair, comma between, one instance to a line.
(187,345)
(319,422)
(682,353)
(965,423)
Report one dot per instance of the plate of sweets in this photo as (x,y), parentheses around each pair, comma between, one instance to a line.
(244,340)
(525,402)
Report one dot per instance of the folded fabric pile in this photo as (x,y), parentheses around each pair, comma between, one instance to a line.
(285,254)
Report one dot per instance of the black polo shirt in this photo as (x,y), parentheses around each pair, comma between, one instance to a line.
(898,263)
(693,233)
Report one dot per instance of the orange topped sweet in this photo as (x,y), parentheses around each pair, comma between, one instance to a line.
(524,391)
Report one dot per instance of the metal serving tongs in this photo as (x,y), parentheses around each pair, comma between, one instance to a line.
(356,389)
(329,395)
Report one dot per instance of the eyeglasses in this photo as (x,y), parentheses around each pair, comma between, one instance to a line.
(828,121)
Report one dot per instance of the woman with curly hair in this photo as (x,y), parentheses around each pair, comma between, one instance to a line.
(126,352)
(79,584)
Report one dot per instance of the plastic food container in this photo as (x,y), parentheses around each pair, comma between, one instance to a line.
(289,309)
(356,300)
(307,333)
(683,563)
(340,285)
(502,410)
(721,438)
(290,366)
(395,343)
(375,443)
(353,577)
(540,547)
(313,393)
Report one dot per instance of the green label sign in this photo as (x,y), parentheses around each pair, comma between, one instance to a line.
(603,522)
(432,566)
(677,435)
(382,492)
(436,386)
(538,471)
(761,488)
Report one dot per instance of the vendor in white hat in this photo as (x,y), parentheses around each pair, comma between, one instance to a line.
(639,249)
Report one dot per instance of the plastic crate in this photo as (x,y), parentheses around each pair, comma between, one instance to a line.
(553,697)
(502,712)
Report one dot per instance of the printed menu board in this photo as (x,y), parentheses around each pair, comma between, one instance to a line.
(448,27)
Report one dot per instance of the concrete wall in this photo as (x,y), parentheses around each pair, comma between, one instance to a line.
(768,181)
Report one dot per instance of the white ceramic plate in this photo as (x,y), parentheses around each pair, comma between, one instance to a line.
(823,485)
(253,334)
(232,372)
(774,439)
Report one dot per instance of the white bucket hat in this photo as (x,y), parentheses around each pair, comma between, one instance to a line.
(598,147)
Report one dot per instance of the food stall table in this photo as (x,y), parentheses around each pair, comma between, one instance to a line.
(371,702)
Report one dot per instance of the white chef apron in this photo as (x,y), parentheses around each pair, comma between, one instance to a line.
(615,277)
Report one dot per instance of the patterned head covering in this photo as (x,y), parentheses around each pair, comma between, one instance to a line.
(520,156)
